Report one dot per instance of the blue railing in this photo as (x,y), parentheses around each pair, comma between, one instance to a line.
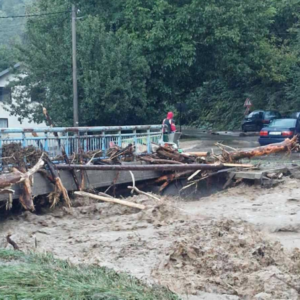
(75,139)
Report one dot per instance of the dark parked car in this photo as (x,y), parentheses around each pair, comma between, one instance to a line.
(256,120)
(278,131)
(295,115)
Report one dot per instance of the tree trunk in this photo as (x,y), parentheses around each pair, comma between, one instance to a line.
(111,200)
(67,161)
(177,167)
(285,146)
(16,176)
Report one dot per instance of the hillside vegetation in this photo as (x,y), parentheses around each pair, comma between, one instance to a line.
(137,59)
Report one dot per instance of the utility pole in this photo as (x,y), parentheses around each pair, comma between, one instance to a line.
(75,88)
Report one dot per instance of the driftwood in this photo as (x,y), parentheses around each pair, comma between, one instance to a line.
(204,177)
(26,197)
(11,242)
(194,175)
(198,154)
(169,153)
(6,180)
(111,200)
(119,152)
(82,172)
(169,178)
(60,190)
(134,188)
(67,161)
(229,181)
(231,165)
(167,167)
(159,161)
(286,146)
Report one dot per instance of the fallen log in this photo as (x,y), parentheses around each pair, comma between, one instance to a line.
(26,198)
(166,167)
(111,200)
(134,188)
(11,242)
(59,187)
(160,161)
(238,165)
(198,154)
(169,178)
(285,146)
(67,161)
(115,152)
(17,177)
(204,177)
(168,153)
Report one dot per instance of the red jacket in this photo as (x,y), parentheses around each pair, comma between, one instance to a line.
(170,116)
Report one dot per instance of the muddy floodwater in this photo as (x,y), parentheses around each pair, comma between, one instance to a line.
(240,243)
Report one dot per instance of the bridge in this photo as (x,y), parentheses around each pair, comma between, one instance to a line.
(76,139)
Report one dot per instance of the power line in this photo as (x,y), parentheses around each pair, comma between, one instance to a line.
(36,15)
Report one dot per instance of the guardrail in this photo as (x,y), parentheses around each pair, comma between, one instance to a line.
(73,139)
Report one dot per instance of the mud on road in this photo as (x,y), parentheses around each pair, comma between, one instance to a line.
(226,246)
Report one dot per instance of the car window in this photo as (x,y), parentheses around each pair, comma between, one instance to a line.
(286,123)
(271,114)
(254,115)
(294,115)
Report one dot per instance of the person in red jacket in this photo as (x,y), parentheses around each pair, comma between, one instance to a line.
(169,124)
(169,128)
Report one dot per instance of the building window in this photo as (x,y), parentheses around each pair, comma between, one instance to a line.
(5,94)
(3,123)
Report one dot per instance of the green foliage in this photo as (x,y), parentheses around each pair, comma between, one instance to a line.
(137,58)
(112,72)
(12,28)
(43,277)
(7,57)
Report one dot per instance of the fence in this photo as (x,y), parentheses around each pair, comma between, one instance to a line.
(73,139)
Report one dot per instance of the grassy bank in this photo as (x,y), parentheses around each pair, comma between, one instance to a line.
(43,277)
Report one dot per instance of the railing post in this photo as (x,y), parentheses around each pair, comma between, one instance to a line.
(66,144)
(23,139)
(135,140)
(148,141)
(1,150)
(85,144)
(46,142)
(103,143)
(120,138)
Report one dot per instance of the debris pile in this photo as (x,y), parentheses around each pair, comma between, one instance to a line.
(14,154)
(229,257)
(195,166)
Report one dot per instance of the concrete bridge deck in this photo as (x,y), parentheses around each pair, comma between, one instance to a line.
(93,179)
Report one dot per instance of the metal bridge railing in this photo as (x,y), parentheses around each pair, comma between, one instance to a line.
(73,139)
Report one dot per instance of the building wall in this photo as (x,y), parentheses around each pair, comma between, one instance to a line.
(13,121)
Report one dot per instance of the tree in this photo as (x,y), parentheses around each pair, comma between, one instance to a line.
(138,54)
(111,71)
(12,28)
(7,57)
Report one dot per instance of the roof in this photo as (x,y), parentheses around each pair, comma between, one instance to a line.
(5,72)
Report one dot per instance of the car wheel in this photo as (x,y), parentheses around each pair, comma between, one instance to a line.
(244,129)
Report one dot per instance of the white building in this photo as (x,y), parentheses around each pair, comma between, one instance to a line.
(6,120)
